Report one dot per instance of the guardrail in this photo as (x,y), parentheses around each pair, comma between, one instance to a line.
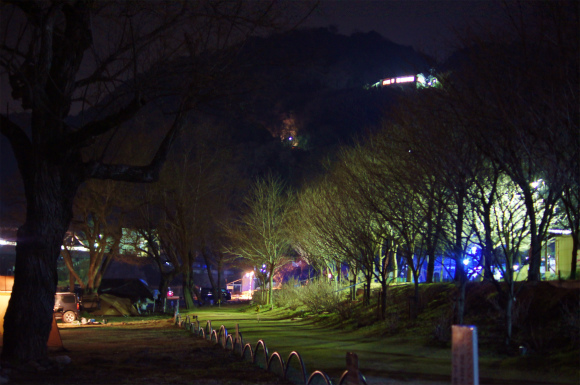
(291,369)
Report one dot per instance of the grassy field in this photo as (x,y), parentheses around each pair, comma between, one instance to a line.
(398,350)
(404,359)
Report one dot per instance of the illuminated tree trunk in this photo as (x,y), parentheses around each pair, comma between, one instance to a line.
(353,273)
(430,263)
(271,288)
(188,288)
(367,293)
(395,266)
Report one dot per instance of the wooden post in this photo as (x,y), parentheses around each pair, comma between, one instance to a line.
(353,374)
(465,367)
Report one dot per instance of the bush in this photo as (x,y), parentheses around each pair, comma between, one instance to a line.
(288,295)
(259,297)
(319,296)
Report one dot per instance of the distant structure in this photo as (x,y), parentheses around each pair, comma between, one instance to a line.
(420,80)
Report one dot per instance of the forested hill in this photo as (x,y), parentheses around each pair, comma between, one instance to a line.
(326,59)
(313,81)
(309,84)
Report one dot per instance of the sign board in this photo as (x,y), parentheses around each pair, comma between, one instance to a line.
(465,368)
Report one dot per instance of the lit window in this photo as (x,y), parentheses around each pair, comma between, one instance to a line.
(406,79)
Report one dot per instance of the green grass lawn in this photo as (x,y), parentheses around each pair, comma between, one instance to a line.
(404,358)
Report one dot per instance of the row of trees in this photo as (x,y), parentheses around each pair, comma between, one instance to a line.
(490,158)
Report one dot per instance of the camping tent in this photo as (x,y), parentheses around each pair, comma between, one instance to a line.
(117,306)
(134,289)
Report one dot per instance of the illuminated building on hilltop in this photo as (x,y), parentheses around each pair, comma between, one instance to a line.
(420,80)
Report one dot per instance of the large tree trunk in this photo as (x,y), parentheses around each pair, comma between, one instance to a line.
(215,287)
(461,302)
(367,293)
(28,318)
(383,298)
(509,311)
(430,263)
(188,289)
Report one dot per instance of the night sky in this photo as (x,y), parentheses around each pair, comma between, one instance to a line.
(427,26)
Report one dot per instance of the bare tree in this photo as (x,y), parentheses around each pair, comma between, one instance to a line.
(61,58)
(261,233)
(331,229)
(518,96)
(97,226)
(391,186)
(500,222)
(377,240)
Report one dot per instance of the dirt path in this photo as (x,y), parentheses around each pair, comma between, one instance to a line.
(154,352)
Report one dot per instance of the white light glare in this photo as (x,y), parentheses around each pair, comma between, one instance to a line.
(421,79)
(466,262)
(536,183)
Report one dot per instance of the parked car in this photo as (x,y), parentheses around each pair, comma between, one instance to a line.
(66,307)
(207,294)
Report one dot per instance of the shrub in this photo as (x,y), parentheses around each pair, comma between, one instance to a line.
(288,295)
(319,296)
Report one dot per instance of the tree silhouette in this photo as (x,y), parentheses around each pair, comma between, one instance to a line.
(61,58)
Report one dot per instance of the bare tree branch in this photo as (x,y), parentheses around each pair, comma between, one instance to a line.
(148,173)
(87,133)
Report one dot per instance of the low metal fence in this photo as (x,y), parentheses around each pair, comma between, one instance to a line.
(292,369)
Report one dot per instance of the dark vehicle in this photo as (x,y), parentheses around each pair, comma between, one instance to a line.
(66,307)
(207,294)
